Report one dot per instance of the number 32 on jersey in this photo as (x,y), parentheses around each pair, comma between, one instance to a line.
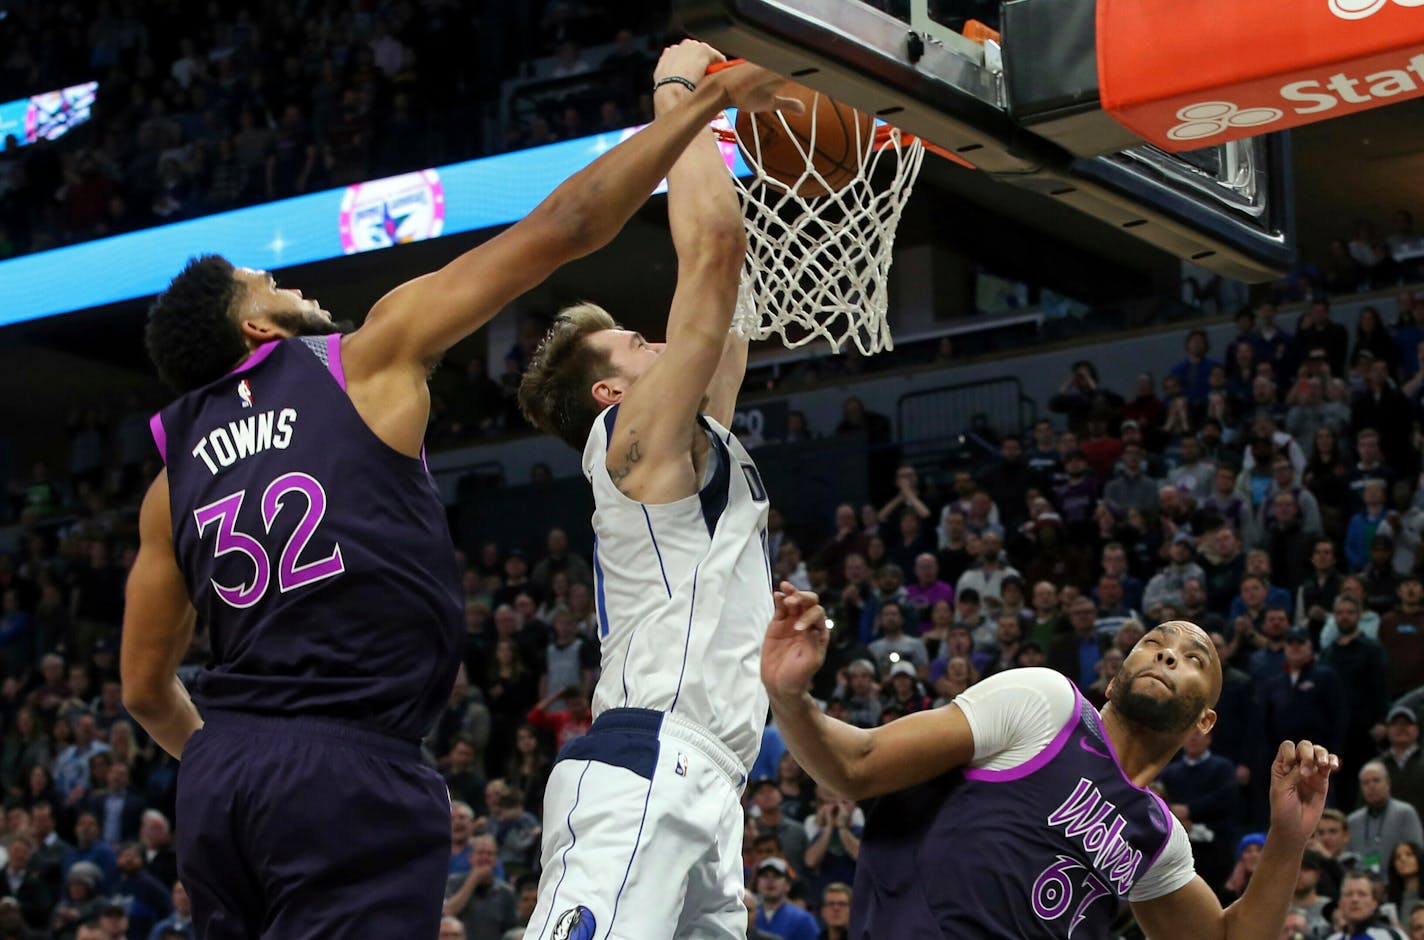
(292,573)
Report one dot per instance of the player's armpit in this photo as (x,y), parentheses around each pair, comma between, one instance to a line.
(1192,912)
(913,750)
(158,628)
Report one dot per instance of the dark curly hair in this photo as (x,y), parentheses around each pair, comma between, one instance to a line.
(192,336)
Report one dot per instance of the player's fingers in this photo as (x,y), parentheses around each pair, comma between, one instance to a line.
(1305,757)
(1285,754)
(808,597)
(815,617)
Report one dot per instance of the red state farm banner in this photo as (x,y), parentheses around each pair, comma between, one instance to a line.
(1184,74)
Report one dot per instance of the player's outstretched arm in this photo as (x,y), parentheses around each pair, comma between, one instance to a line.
(856,762)
(1300,777)
(409,329)
(708,233)
(158,628)
(702,204)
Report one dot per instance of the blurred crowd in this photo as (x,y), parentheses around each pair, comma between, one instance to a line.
(1268,491)
(1371,257)
(245,103)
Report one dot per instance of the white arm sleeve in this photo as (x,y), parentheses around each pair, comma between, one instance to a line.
(1015,714)
(1172,871)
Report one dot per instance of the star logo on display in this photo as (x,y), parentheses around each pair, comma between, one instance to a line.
(393,211)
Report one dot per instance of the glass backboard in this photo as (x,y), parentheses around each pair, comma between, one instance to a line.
(1022,111)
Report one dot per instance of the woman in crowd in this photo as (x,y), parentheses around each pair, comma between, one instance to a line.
(1372,336)
(26,745)
(556,600)
(1402,885)
(1241,372)
(941,616)
(1325,478)
(529,767)
(39,788)
(510,692)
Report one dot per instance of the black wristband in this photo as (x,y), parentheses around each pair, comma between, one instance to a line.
(674,80)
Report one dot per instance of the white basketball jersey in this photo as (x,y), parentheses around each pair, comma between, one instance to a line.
(683,591)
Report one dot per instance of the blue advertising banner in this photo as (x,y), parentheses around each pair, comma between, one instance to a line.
(462,197)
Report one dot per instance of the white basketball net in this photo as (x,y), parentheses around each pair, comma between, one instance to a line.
(818,267)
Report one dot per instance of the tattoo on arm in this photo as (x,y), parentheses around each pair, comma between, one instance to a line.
(634,454)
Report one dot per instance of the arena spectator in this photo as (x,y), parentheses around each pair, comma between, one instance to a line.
(572,722)
(927,590)
(1382,822)
(776,914)
(858,691)
(1318,333)
(1303,702)
(483,902)
(986,579)
(894,646)
(1402,757)
(1308,903)
(1166,586)
(517,832)
(1401,634)
(1201,793)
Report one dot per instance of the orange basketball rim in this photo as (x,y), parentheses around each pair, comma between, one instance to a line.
(886,135)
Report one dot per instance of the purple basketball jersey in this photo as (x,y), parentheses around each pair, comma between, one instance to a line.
(319,558)
(1044,851)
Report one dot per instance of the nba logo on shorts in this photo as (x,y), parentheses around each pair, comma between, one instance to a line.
(575,924)
(392,211)
(681,770)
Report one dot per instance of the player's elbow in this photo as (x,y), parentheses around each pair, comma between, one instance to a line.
(721,246)
(856,783)
(141,701)
(145,694)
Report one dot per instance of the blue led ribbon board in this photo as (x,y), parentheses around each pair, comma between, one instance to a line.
(368,216)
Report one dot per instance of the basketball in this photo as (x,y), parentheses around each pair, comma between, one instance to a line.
(843,136)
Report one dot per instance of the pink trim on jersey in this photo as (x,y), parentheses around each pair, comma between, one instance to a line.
(333,360)
(160,435)
(423,460)
(255,357)
(1167,812)
(1038,760)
